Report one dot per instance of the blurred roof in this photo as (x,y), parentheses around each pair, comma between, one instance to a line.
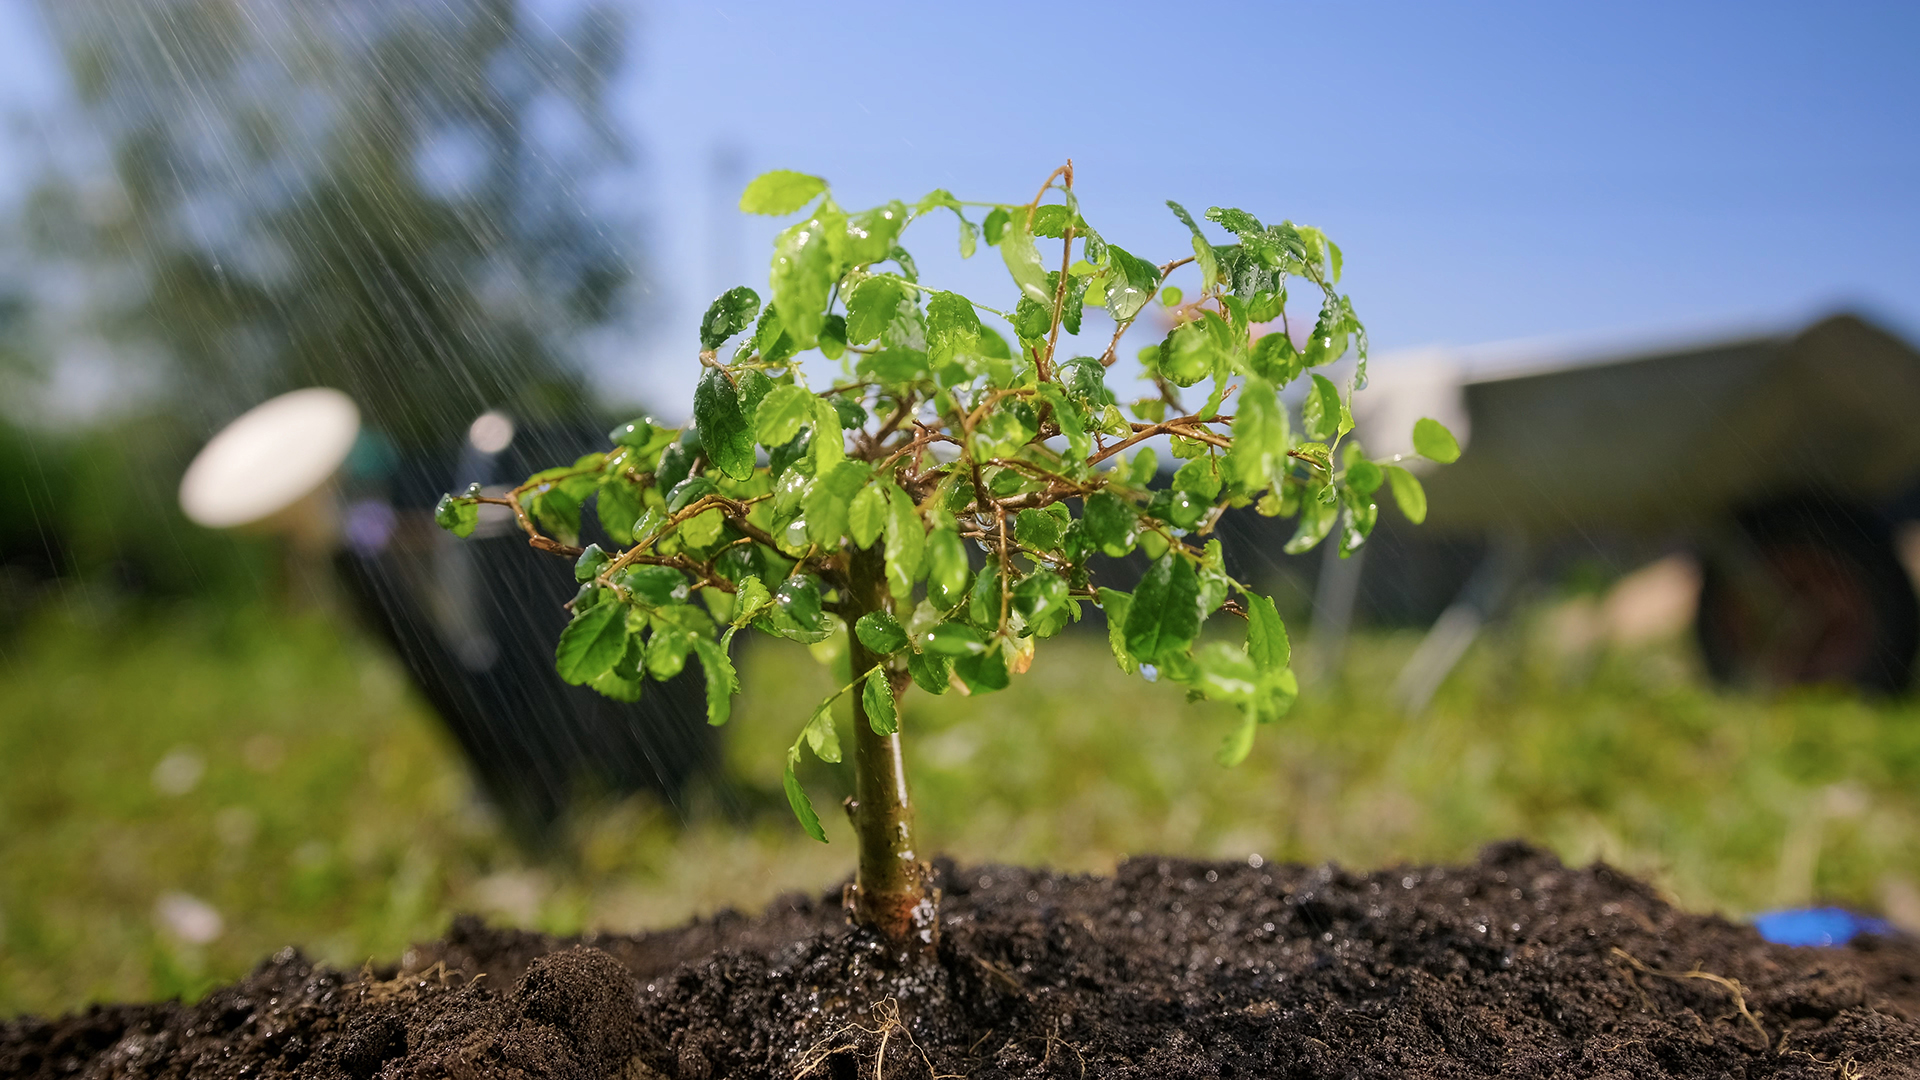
(1562,438)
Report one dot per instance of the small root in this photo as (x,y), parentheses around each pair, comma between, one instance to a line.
(849,1037)
(1731,986)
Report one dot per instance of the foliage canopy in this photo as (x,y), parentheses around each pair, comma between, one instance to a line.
(936,507)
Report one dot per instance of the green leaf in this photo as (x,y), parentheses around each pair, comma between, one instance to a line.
(655,586)
(731,313)
(1321,414)
(701,530)
(779,192)
(635,433)
(1131,282)
(1038,529)
(930,671)
(953,330)
(797,798)
(872,305)
(804,270)
(1199,478)
(687,492)
(589,563)
(798,598)
(558,513)
(995,225)
(1259,452)
(1111,523)
(1164,616)
(1238,222)
(876,700)
(1041,599)
(1115,605)
(1267,642)
(1023,259)
(820,736)
(1408,494)
(983,600)
(782,413)
(954,639)
(618,687)
(750,601)
(867,517)
(881,633)
(667,651)
(1316,521)
(1274,359)
(983,672)
(870,234)
(1146,465)
(946,568)
(1364,476)
(618,506)
(828,446)
(723,428)
(1239,742)
(458,516)
(906,544)
(591,644)
(833,337)
(1432,440)
(722,683)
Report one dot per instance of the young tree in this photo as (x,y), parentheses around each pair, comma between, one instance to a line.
(806,512)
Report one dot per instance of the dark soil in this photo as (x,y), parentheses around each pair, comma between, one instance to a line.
(1514,966)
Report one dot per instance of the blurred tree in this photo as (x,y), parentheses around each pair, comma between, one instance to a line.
(386,196)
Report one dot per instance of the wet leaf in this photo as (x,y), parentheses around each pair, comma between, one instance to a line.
(881,633)
(591,644)
(1164,616)
(867,517)
(954,639)
(946,567)
(723,427)
(1321,413)
(906,544)
(930,671)
(1023,259)
(821,737)
(876,700)
(722,683)
(782,413)
(872,305)
(458,516)
(797,798)
(732,312)
(1267,643)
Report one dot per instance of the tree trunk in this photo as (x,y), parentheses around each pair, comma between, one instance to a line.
(890,895)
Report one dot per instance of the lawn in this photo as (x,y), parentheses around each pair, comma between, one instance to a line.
(254,780)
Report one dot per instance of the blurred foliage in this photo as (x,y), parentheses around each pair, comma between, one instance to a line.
(385,197)
(316,801)
(97,505)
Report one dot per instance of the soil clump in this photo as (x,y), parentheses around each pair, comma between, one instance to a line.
(1513,966)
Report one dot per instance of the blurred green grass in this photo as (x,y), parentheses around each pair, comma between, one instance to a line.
(278,770)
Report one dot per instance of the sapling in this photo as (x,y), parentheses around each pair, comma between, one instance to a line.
(934,505)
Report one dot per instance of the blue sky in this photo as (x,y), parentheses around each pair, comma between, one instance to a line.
(1492,171)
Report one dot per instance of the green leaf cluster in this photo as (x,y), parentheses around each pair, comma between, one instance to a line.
(981,479)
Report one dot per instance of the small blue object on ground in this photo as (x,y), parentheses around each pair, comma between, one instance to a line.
(1821,926)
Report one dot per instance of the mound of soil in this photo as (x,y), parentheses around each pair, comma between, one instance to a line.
(1515,966)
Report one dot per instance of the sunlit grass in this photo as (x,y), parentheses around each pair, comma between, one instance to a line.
(280,771)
